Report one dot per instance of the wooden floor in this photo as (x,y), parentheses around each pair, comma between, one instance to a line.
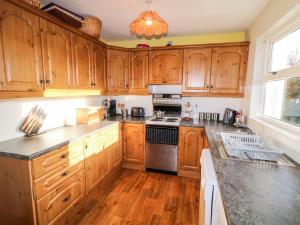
(142,198)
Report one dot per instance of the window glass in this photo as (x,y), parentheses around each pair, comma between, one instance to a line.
(286,52)
(291,106)
(282,100)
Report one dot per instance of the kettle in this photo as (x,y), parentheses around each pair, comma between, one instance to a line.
(229,116)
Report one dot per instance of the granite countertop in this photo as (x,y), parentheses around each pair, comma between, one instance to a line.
(254,193)
(129,119)
(27,148)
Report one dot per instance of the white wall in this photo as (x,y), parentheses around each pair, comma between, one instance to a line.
(200,104)
(59,111)
(277,13)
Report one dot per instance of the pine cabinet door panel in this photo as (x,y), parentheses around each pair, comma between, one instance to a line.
(139,72)
(20,60)
(197,65)
(165,67)
(191,142)
(134,142)
(99,67)
(228,69)
(82,60)
(57,55)
(117,70)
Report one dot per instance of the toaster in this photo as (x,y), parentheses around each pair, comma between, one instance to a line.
(137,112)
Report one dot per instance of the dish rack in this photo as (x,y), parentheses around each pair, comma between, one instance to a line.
(250,146)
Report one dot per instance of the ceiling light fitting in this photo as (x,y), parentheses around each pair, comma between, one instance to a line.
(149,25)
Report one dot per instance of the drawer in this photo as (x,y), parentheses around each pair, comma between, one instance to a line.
(56,203)
(50,181)
(65,157)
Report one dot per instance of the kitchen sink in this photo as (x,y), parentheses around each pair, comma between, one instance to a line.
(247,147)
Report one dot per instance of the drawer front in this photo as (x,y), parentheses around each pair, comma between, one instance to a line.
(65,156)
(49,182)
(56,204)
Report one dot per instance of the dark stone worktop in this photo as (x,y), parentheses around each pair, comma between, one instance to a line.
(253,193)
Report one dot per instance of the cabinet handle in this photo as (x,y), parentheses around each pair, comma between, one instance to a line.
(211,86)
(207,86)
(65,173)
(42,81)
(63,156)
(86,146)
(67,198)
(47,81)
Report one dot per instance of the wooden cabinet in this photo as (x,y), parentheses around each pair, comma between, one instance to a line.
(138,82)
(165,67)
(191,141)
(134,143)
(20,51)
(117,70)
(196,70)
(82,62)
(228,69)
(57,55)
(99,67)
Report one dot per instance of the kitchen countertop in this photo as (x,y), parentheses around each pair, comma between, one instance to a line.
(129,119)
(28,148)
(254,193)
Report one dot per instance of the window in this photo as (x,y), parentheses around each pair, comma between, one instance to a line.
(282,80)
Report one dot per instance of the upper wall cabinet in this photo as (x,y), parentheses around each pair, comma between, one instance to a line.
(99,67)
(228,70)
(165,67)
(82,62)
(57,55)
(20,59)
(138,83)
(196,74)
(117,70)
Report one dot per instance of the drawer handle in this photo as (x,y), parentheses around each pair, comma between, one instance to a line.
(63,156)
(65,173)
(67,198)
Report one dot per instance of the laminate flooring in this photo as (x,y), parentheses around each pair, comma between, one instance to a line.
(146,198)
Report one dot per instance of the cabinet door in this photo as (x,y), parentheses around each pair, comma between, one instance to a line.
(196,74)
(134,142)
(117,70)
(190,147)
(116,150)
(93,159)
(228,69)
(57,55)
(165,67)
(138,83)
(20,59)
(82,62)
(99,67)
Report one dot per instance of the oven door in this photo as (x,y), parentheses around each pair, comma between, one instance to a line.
(161,157)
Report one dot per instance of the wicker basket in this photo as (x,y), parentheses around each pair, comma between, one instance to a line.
(92,26)
(35,3)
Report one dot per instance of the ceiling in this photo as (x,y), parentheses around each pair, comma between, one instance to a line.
(185,17)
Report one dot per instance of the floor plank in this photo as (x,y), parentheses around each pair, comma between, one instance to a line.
(144,198)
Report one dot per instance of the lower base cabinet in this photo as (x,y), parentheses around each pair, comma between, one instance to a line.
(49,189)
(134,146)
(191,144)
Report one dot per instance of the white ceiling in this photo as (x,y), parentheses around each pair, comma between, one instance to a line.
(185,17)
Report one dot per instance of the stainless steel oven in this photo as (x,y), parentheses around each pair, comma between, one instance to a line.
(161,148)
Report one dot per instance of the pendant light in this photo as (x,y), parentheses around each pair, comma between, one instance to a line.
(149,25)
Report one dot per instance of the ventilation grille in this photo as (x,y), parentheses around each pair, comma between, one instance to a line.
(162,135)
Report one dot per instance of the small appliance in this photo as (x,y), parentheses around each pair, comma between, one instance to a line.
(229,116)
(110,107)
(137,112)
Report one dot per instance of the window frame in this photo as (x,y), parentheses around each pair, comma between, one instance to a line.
(284,74)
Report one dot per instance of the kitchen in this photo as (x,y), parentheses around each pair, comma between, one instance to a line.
(108,117)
